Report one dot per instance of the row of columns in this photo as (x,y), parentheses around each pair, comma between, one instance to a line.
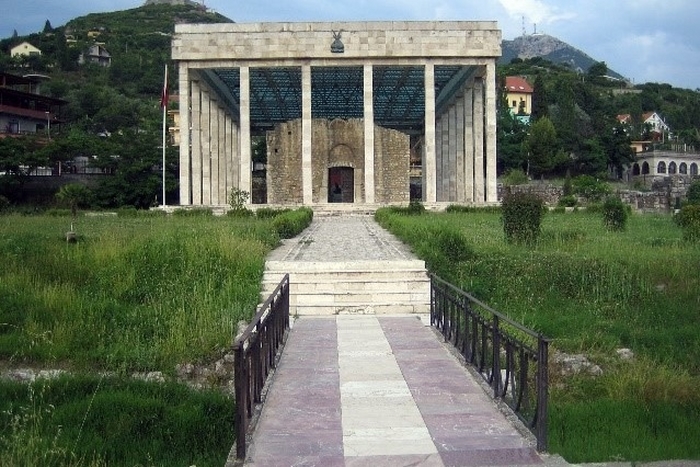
(459,154)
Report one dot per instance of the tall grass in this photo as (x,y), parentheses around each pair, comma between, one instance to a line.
(93,421)
(134,293)
(594,291)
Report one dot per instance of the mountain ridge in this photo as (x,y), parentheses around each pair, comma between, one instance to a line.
(550,48)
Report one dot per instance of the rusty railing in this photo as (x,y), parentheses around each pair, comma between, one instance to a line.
(255,355)
(511,358)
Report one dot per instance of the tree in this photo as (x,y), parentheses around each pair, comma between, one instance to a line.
(47,27)
(135,160)
(617,146)
(565,115)
(18,158)
(510,135)
(74,195)
(591,158)
(596,73)
(540,99)
(542,148)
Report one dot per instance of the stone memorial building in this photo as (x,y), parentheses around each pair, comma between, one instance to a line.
(369,113)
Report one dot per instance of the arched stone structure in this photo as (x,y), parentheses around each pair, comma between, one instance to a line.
(431,81)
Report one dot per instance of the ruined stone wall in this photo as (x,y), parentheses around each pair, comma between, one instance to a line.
(391,166)
(284,183)
(336,143)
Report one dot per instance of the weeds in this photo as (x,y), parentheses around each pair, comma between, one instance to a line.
(593,291)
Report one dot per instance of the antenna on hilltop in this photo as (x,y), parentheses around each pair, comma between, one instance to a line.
(534,25)
(523,26)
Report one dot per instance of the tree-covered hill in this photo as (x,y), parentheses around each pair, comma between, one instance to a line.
(580,133)
(113,114)
(137,39)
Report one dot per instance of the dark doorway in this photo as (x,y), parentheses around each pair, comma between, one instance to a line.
(341,185)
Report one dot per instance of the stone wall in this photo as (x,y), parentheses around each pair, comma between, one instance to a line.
(284,183)
(665,191)
(267,41)
(336,143)
(392,161)
(550,194)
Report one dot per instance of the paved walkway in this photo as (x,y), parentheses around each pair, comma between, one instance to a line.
(375,390)
(342,238)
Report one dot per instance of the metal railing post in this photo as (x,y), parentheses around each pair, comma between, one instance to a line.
(241,384)
(496,358)
(542,392)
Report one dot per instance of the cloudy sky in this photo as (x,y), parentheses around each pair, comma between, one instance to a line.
(644,40)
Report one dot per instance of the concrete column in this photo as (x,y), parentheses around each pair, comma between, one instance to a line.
(479,187)
(185,155)
(439,159)
(369,134)
(306,122)
(491,149)
(469,143)
(452,154)
(230,151)
(223,156)
(245,156)
(196,147)
(236,147)
(459,150)
(215,156)
(206,149)
(429,164)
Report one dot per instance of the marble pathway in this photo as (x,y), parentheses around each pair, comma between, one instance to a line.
(379,391)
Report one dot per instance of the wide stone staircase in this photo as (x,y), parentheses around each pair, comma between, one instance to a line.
(352,287)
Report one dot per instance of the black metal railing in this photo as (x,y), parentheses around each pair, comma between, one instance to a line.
(510,357)
(255,353)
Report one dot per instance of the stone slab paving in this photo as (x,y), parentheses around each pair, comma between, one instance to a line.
(342,238)
(379,391)
(374,390)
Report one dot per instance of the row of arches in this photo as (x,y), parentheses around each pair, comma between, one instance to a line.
(662,168)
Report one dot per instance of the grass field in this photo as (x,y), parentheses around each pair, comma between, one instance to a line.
(592,291)
(141,293)
(135,293)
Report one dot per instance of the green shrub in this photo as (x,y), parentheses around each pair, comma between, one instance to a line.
(416,208)
(590,187)
(460,208)
(452,244)
(614,214)
(269,213)
(522,214)
(193,212)
(292,223)
(442,247)
(688,218)
(240,213)
(4,204)
(568,187)
(514,177)
(58,212)
(127,211)
(568,201)
(693,194)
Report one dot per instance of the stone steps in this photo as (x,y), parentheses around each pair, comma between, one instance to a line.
(356,287)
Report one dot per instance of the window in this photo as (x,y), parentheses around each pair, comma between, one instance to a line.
(661,169)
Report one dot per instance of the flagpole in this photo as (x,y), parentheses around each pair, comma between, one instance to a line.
(164,105)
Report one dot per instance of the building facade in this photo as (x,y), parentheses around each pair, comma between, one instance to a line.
(340,103)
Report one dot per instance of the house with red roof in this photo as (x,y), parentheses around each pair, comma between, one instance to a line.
(519,95)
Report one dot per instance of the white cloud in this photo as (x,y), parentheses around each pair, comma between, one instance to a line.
(536,11)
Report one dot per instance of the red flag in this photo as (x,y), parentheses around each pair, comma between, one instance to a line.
(164,94)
